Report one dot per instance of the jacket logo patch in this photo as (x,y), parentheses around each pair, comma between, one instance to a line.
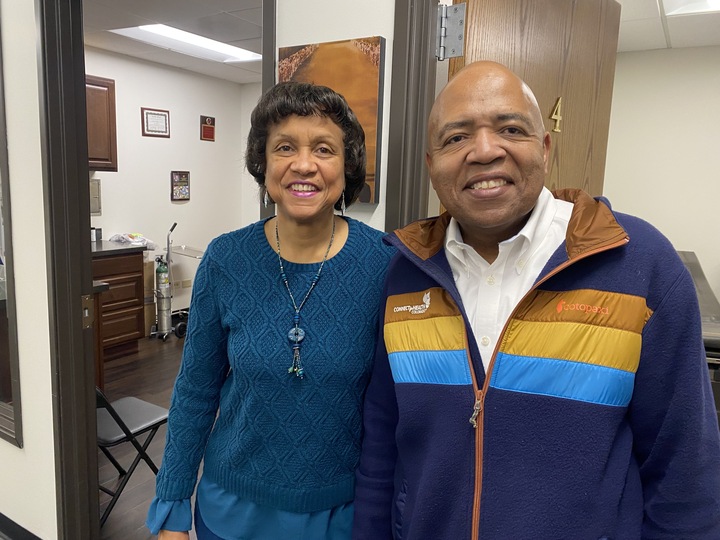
(585,308)
(417,309)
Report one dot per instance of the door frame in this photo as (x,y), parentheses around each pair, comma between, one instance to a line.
(412,93)
(67,202)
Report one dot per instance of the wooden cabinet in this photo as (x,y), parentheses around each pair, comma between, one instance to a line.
(101,128)
(122,315)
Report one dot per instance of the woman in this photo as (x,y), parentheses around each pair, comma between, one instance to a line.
(280,341)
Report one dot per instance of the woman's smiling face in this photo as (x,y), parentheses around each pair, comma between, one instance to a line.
(305,166)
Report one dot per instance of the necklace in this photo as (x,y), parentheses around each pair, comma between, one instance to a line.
(297,334)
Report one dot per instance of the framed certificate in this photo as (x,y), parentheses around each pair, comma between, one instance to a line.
(155,122)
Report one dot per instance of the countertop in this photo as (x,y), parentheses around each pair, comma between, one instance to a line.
(709,305)
(102,248)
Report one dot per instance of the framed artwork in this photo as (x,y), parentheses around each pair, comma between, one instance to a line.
(155,122)
(353,68)
(180,186)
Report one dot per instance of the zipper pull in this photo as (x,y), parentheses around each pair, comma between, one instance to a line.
(476,410)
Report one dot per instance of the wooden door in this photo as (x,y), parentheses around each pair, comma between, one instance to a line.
(565,50)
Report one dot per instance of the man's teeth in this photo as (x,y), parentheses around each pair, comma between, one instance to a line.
(487,184)
(303,187)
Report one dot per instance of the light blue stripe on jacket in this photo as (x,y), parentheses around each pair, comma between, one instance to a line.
(562,378)
(430,367)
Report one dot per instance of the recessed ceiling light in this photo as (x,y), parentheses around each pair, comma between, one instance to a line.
(686,7)
(167,37)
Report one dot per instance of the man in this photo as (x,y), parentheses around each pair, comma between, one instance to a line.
(540,372)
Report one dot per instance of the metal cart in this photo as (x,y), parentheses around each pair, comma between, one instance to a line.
(163,326)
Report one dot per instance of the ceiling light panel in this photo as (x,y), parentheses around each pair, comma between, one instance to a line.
(687,7)
(167,37)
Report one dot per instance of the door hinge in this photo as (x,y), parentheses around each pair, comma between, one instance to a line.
(88,311)
(450,38)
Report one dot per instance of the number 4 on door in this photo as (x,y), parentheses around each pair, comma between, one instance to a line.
(556,115)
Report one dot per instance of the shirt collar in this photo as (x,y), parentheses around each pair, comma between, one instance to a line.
(455,249)
(531,235)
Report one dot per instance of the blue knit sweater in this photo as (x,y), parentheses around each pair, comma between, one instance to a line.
(278,440)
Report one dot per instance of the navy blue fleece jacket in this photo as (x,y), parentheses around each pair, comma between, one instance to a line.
(595,419)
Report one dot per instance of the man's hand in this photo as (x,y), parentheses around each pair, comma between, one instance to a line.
(173,535)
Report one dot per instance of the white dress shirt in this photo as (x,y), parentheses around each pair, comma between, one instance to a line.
(490,292)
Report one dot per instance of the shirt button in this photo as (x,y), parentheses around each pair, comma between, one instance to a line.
(485,341)
(491,280)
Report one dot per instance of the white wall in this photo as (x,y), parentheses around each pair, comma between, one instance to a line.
(663,145)
(318,21)
(136,198)
(27,485)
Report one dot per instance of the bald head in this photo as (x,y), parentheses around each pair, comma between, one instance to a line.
(487,77)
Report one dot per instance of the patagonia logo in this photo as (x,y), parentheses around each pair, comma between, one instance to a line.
(585,308)
(418,308)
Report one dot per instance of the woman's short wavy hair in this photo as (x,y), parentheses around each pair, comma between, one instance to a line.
(305,99)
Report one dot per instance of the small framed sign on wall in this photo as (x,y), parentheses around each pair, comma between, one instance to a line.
(180,186)
(207,128)
(155,122)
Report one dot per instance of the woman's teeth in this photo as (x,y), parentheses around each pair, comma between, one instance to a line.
(303,187)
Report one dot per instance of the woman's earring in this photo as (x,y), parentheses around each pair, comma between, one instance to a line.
(266,199)
(342,204)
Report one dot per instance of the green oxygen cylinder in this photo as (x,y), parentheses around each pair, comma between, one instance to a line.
(162,277)
(163,296)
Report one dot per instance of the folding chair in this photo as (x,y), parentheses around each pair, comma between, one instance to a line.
(123,421)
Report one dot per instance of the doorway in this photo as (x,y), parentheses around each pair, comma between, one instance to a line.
(68,200)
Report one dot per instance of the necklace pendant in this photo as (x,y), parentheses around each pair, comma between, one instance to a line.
(296,334)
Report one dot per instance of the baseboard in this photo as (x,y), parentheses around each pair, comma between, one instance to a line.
(9,530)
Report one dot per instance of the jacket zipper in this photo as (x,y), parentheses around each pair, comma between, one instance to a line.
(477,419)
(476,416)
(477,408)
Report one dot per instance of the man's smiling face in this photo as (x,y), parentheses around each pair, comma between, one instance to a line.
(487,151)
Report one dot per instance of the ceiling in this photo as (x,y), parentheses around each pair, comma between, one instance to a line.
(642,27)
(239,23)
